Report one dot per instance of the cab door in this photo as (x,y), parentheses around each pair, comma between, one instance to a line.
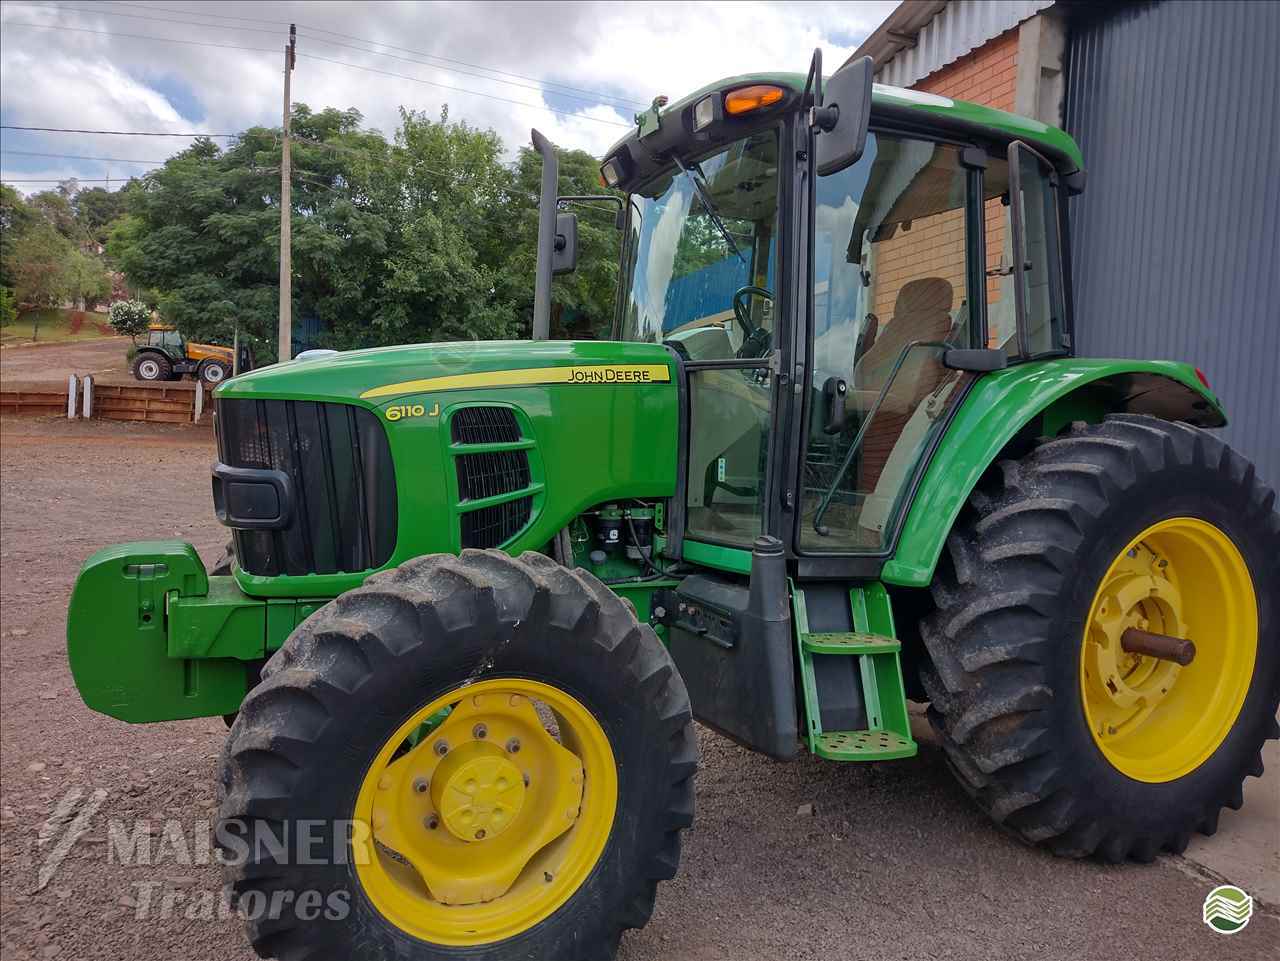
(894,261)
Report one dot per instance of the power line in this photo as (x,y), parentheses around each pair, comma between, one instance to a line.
(138,36)
(340,63)
(119,133)
(138,16)
(220,16)
(538,85)
(474,93)
(390,46)
(71,156)
(587,96)
(63,180)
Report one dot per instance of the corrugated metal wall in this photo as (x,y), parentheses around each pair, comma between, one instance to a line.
(962,26)
(1176,242)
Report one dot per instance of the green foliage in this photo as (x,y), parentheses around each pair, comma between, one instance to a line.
(87,279)
(428,236)
(95,208)
(8,311)
(39,264)
(16,219)
(129,317)
(48,254)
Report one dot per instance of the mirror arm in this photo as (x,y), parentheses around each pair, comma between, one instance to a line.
(814,80)
(546,235)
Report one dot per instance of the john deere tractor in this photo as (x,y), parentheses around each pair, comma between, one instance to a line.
(838,454)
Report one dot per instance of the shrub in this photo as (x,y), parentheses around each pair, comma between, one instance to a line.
(8,312)
(129,317)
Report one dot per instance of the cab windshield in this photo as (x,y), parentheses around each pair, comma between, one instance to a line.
(700,254)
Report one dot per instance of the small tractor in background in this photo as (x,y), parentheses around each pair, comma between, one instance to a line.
(839,454)
(167,355)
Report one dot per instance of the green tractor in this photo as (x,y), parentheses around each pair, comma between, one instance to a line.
(838,455)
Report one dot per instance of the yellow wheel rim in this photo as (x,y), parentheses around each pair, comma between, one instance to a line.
(485,812)
(1152,719)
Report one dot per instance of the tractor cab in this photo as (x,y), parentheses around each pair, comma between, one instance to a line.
(168,339)
(832,275)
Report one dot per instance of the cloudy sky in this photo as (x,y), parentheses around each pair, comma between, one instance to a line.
(577,71)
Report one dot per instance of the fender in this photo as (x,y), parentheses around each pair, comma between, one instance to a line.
(1047,395)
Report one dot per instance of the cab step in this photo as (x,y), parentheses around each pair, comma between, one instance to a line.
(849,643)
(876,672)
(863,746)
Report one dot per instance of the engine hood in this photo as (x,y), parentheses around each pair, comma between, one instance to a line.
(378,376)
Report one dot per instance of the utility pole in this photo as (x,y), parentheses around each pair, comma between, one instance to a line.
(286,211)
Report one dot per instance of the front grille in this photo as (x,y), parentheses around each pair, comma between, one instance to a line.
(344,489)
(490,474)
(492,526)
(485,425)
(494,473)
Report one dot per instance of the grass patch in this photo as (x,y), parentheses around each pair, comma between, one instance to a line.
(55,325)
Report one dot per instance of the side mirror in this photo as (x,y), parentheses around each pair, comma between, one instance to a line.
(564,254)
(840,121)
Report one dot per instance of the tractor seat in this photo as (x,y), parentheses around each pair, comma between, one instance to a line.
(921,312)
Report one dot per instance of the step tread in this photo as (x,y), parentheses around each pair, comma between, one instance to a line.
(850,642)
(864,746)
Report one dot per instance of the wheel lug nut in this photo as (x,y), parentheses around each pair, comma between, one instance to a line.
(480,835)
(431,821)
(526,779)
(479,732)
(513,746)
(420,785)
(442,748)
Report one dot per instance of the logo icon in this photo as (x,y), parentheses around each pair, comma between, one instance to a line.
(1227,909)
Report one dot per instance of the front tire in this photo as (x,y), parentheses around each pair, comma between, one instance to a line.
(213,372)
(390,704)
(1064,737)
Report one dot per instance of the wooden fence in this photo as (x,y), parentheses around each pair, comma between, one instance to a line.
(155,403)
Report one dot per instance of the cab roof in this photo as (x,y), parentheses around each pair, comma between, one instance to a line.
(928,108)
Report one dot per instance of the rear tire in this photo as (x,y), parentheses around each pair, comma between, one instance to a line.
(1017,592)
(152,366)
(347,682)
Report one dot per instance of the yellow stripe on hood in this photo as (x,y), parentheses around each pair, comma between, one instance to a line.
(594,374)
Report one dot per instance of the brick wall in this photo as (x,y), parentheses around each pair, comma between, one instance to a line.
(986,76)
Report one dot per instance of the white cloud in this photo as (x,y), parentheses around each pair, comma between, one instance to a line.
(633,51)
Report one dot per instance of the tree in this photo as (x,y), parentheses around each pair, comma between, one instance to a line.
(583,301)
(129,318)
(95,208)
(16,218)
(38,266)
(54,207)
(87,280)
(8,312)
(429,236)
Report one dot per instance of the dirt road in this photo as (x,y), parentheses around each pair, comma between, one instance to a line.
(894,863)
(104,358)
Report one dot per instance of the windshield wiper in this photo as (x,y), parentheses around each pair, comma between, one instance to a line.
(710,208)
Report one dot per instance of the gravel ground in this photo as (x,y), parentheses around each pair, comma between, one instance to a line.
(893,863)
(106,359)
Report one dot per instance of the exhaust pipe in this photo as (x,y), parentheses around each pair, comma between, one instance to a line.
(546,235)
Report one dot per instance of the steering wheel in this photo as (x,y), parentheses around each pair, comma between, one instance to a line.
(755,340)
